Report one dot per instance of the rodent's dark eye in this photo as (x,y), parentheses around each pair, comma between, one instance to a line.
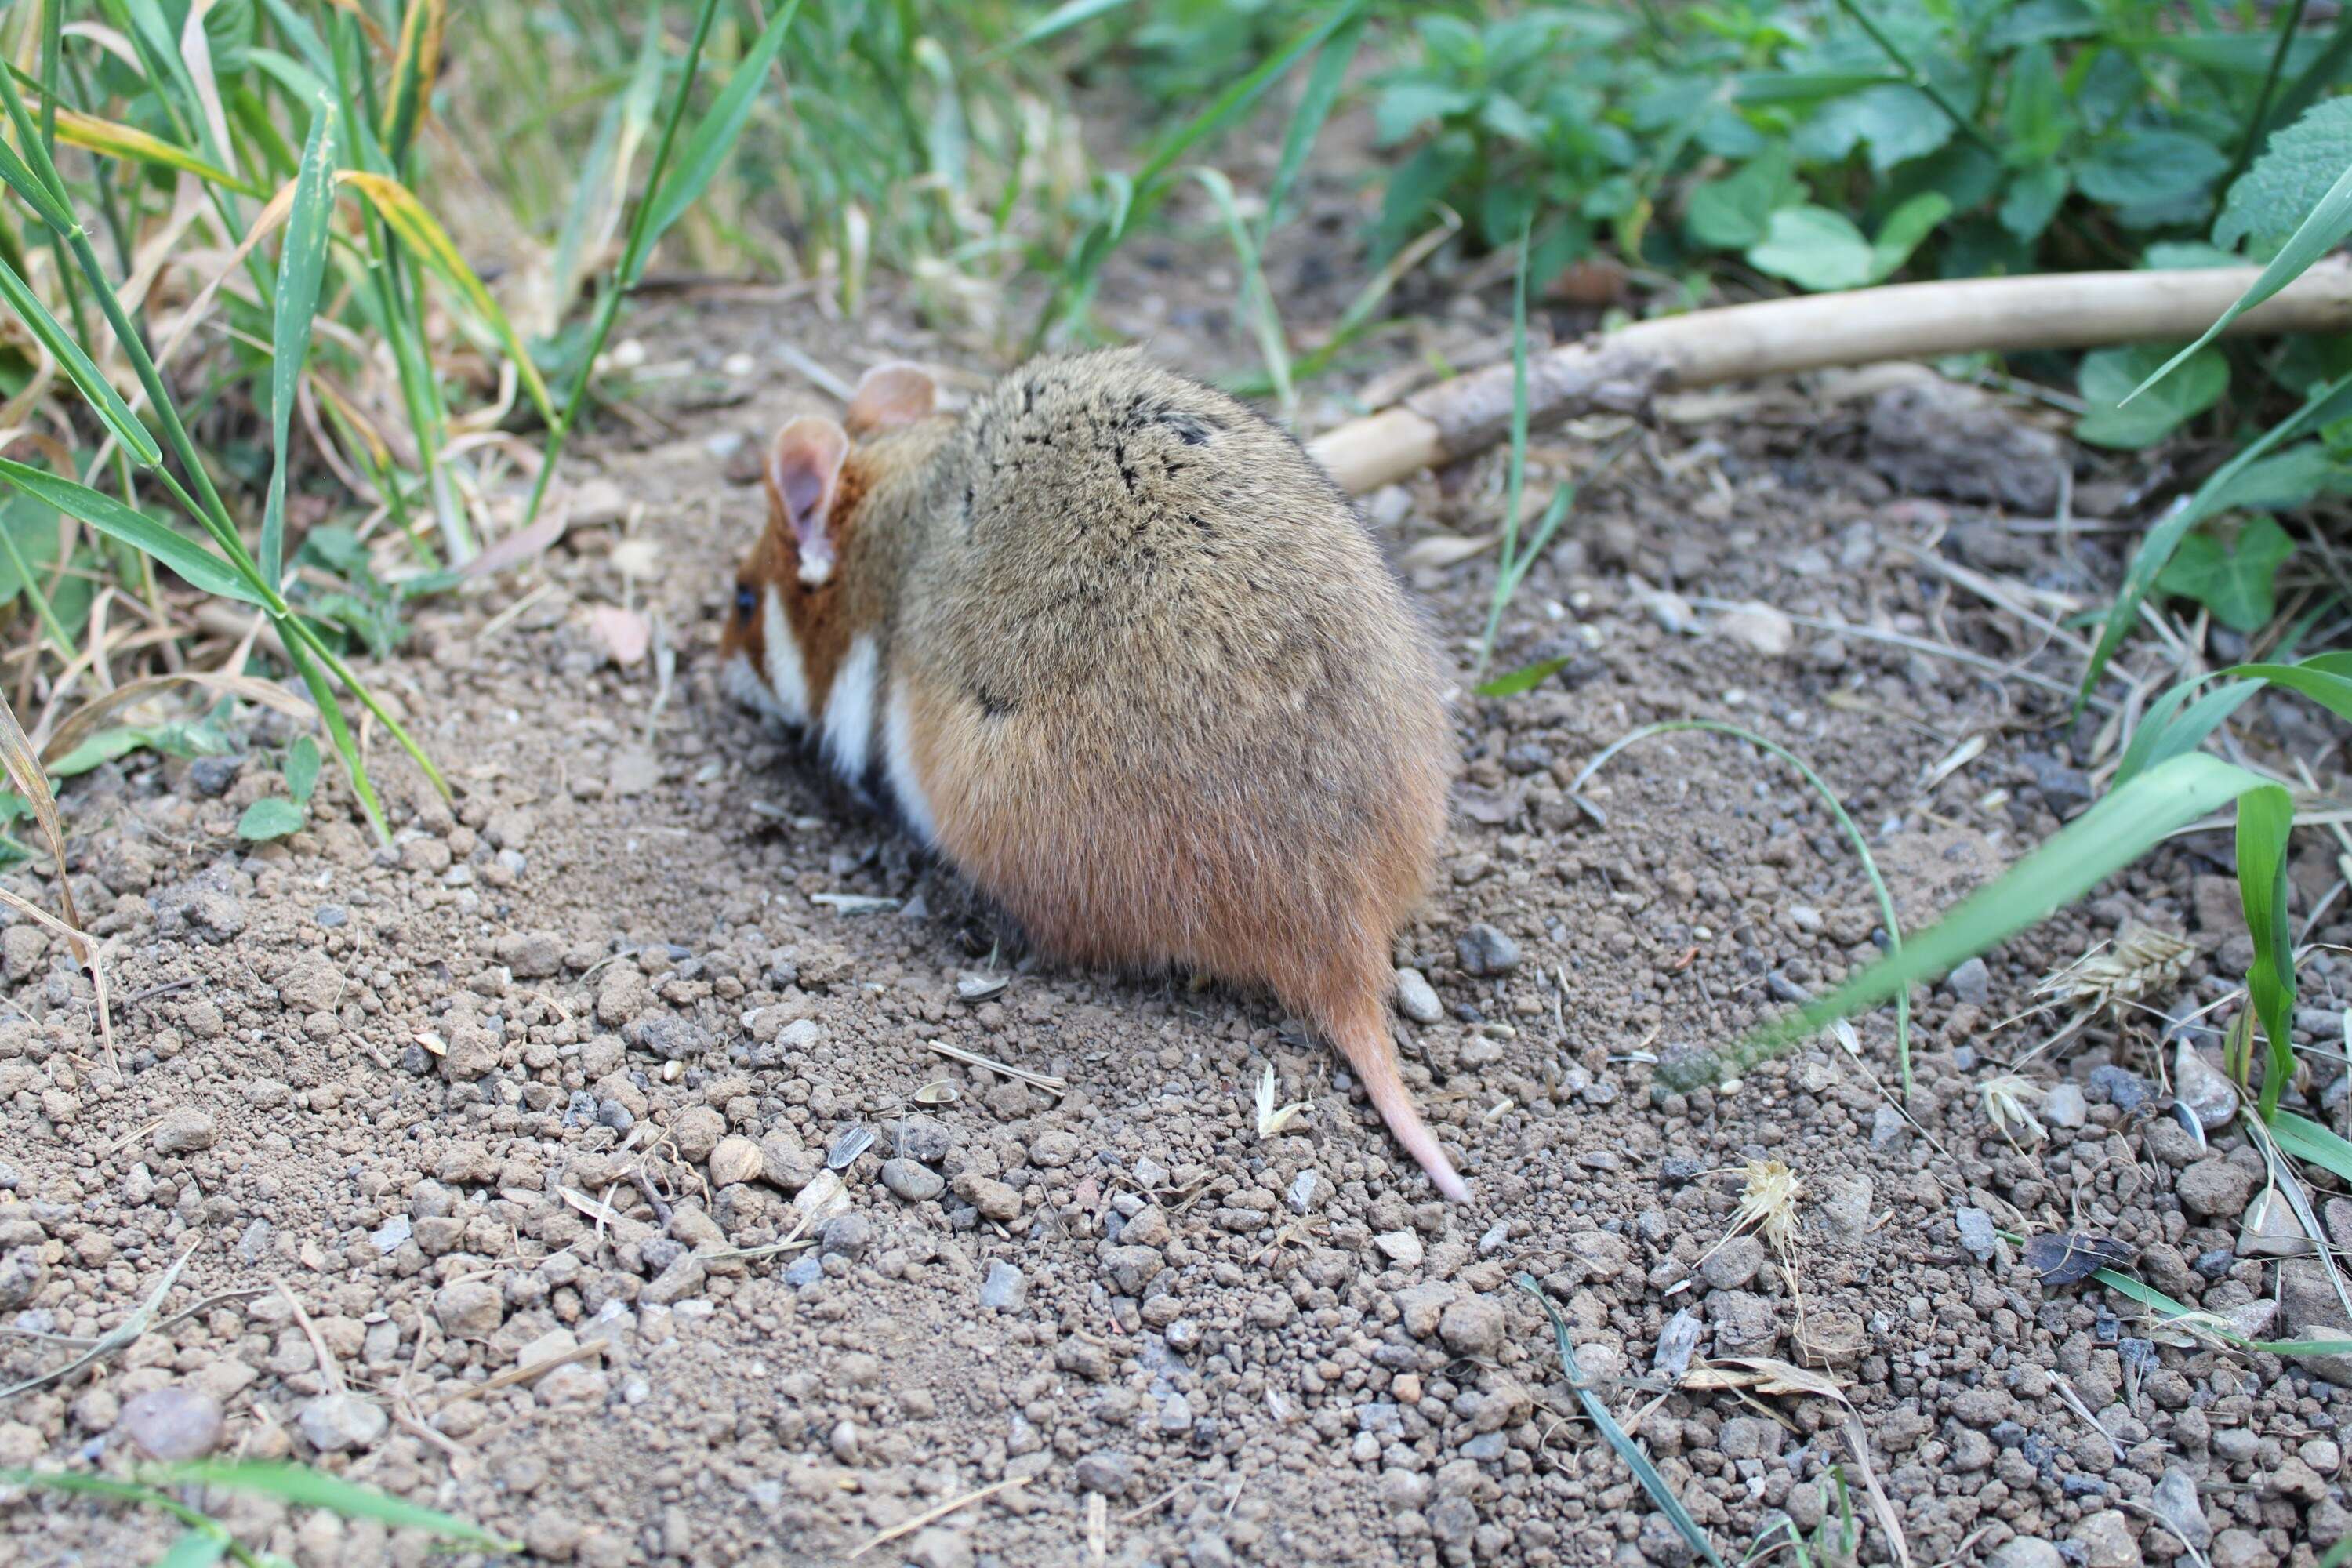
(746,601)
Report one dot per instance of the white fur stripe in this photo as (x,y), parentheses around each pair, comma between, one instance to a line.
(786,678)
(898,765)
(849,711)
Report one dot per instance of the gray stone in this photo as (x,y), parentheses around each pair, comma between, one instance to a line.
(2174,1502)
(2200,1086)
(2064,1106)
(2107,1540)
(2270,1229)
(387,1237)
(1977,1233)
(172,1424)
(2026,1551)
(848,1234)
(1416,998)
(1473,1326)
(1483,951)
(1105,1471)
(2213,1188)
(1004,1290)
(1971,982)
(1733,1264)
(184,1131)
(468,1308)
(341,1423)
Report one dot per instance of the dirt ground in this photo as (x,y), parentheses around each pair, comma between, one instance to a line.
(460,1133)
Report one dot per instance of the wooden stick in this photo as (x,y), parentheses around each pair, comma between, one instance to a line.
(1621,371)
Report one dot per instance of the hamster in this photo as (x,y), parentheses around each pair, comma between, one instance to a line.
(1113,646)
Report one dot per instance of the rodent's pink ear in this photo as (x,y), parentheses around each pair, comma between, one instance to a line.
(893,394)
(803,471)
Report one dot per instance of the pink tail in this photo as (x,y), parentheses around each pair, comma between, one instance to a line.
(1363,1036)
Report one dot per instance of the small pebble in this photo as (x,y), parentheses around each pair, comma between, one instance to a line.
(1005,1287)
(172,1424)
(912,1180)
(1416,998)
(1485,950)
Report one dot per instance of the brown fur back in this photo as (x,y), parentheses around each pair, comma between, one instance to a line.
(1169,705)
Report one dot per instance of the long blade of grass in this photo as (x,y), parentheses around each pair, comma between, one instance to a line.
(115,140)
(2321,231)
(103,399)
(1627,1449)
(1846,824)
(200,567)
(20,178)
(2325,678)
(302,269)
(2309,1141)
(2159,736)
(2148,1295)
(712,140)
(339,732)
(2265,819)
(1257,301)
(1235,100)
(306,1488)
(22,763)
(1515,471)
(423,233)
(2325,404)
(1314,102)
(2124,825)
(1060,19)
(418,62)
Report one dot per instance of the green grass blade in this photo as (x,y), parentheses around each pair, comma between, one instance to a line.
(2321,231)
(95,388)
(339,732)
(306,1487)
(2156,1300)
(2325,404)
(1526,679)
(175,550)
(1619,1438)
(1060,19)
(412,72)
(1257,301)
(1514,475)
(20,178)
(2159,736)
(1846,824)
(2265,819)
(708,148)
(2123,826)
(301,267)
(2326,678)
(1314,102)
(418,229)
(1236,98)
(2309,1141)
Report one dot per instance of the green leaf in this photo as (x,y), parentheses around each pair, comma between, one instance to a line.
(1735,213)
(2324,406)
(2033,199)
(1404,107)
(200,566)
(2236,583)
(306,1487)
(2034,121)
(301,267)
(1060,19)
(2120,827)
(95,388)
(2150,168)
(1895,121)
(1905,229)
(1814,248)
(1526,679)
(2043,21)
(302,769)
(708,148)
(1314,102)
(199,1548)
(2298,167)
(1606,1423)
(2265,819)
(2130,408)
(269,817)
